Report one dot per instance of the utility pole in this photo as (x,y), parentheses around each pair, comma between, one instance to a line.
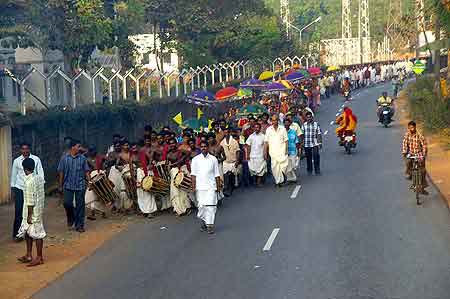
(420,16)
(285,15)
(364,30)
(346,19)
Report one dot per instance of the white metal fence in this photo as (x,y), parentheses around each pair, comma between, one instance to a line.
(110,85)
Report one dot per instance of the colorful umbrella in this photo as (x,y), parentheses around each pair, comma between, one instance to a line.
(253,84)
(226,93)
(275,86)
(266,75)
(295,76)
(201,95)
(195,124)
(286,84)
(255,109)
(332,68)
(304,73)
(244,93)
(314,71)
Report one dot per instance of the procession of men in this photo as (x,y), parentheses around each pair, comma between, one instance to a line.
(179,170)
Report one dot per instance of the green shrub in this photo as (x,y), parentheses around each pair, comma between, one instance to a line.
(426,107)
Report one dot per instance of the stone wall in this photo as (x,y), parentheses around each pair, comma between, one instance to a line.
(95,125)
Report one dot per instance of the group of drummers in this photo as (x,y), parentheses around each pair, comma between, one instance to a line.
(149,176)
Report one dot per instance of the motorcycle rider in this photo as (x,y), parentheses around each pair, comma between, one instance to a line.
(347,122)
(346,87)
(383,101)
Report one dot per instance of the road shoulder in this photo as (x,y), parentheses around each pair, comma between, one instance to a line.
(63,249)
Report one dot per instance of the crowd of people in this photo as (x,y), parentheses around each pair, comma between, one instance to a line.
(189,169)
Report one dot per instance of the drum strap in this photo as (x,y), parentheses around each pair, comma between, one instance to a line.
(210,205)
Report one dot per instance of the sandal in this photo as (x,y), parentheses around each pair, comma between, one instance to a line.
(36,263)
(25,259)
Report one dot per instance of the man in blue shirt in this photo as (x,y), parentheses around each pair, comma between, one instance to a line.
(73,172)
(293,143)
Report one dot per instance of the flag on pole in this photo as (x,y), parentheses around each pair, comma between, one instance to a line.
(199,113)
(178,119)
(210,121)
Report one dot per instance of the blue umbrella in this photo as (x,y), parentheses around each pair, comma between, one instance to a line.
(201,95)
(295,76)
(252,84)
(275,86)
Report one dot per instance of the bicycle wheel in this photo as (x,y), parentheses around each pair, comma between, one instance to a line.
(416,179)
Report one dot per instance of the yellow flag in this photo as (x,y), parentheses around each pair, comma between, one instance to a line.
(199,113)
(210,121)
(178,119)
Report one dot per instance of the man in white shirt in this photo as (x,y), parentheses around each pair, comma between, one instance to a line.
(275,145)
(205,177)
(257,164)
(18,183)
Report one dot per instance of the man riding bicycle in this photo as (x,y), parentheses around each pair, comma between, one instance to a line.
(414,144)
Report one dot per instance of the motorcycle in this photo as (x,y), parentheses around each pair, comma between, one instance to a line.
(347,95)
(386,115)
(348,141)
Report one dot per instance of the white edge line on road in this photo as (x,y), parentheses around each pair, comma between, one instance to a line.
(272,237)
(296,190)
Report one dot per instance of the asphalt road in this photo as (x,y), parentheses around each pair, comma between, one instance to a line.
(353,233)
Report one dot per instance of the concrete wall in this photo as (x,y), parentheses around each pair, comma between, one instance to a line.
(5,163)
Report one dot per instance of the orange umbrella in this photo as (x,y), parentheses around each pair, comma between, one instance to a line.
(226,93)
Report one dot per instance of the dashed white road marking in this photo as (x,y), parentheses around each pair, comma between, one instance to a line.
(337,114)
(340,110)
(326,132)
(272,237)
(296,190)
(331,122)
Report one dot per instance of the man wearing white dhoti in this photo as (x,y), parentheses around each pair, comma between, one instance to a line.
(231,149)
(275,145)
(206,184)
(32,227)
(92,201)
(146,200)
(257,164)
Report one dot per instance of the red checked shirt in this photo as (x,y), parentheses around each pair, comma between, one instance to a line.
(414,144)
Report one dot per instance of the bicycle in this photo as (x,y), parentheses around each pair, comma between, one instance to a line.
(417,178)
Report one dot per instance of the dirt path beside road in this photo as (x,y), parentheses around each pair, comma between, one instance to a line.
(63,249)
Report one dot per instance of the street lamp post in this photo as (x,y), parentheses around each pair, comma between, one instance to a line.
(306,27)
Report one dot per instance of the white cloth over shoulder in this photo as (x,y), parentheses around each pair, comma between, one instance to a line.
(206,170)
(34,195)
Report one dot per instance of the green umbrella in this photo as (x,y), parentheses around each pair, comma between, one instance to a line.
(195,124)
(244,93)
(304,73)
(255,109)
